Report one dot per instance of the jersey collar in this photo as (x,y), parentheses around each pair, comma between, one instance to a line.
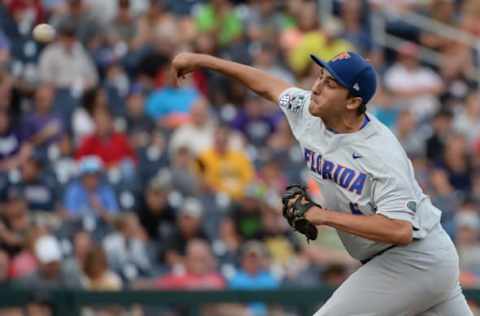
(366,130)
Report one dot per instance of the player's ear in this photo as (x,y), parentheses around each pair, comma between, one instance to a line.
(353,103)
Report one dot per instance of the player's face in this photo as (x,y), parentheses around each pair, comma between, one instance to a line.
(328,96)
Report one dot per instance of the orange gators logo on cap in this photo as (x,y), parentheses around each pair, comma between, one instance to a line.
(341,56)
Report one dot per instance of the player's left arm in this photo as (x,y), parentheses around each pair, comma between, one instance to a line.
(395,200)
(374,227)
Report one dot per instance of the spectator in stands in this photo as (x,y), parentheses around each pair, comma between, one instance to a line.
(301,19)
(265,58)
(157,216)
(457,64)
(325,43)
(126,248)
(5,283)
(227,246)
(154,157)
(468,226)
(198,133)
(247,213)
(442,127)
(170,105)
(184,176)
(66,64)
(220,20)
(89,197)
(475,194)
(384,107)
(441,11)
(4,268)
(415,85)
(466,122)
(458,163)
(280,242)
(14,147)
(189,227)
(112,147)
(26,12)
(139,125)
(25,262)
(62,163)
(38,190)
(445,197)
(156,20)
(283,147)
(82,244)
(43,126)
(97,275)
(254,121)
(117,83)
(4,49)
(254,274)
(124,26)
(14,223)
(224,169)
(263,21)
(273,180)
(83,124)
(406,130)
(78,13)
(355,31)
(470,11)
(50,274)
(7,89)
(199,270)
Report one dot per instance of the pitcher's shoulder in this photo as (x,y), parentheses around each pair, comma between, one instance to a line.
(294,99)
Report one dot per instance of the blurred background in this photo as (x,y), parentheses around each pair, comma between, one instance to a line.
(113,179)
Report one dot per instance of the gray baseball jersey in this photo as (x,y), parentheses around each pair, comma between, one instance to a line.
(365,172)
(368,172)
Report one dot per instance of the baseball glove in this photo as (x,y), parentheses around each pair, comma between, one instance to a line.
(296,202)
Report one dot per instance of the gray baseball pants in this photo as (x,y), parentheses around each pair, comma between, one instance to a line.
(420,279)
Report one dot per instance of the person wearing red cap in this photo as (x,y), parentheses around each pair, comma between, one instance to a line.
(370,194)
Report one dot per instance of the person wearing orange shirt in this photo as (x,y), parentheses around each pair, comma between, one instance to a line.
(224,169)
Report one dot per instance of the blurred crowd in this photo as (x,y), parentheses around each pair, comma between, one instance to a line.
(113,177)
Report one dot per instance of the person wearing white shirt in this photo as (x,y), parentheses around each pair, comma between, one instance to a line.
(414,84)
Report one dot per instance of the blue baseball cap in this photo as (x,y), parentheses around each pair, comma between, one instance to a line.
(353,72)
(90,165)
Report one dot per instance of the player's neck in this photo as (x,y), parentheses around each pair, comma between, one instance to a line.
(346,123)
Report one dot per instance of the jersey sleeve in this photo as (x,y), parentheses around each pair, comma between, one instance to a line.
(394,194)
(294,103)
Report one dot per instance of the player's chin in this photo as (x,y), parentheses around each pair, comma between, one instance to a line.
(315,109)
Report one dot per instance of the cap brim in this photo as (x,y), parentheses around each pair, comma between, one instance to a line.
(330,70)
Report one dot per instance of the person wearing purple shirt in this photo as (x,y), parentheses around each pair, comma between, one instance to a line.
(43,126)
(14,149)
(253,121)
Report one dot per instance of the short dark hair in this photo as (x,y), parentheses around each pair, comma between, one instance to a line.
(67,28)
(363,106)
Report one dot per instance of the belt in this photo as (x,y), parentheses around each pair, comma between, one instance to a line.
(364,261)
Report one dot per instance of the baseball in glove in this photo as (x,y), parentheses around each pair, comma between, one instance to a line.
(296,202)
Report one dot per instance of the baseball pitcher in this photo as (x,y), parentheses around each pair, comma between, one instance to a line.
(409,264)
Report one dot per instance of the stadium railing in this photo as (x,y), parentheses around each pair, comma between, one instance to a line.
(71,302)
